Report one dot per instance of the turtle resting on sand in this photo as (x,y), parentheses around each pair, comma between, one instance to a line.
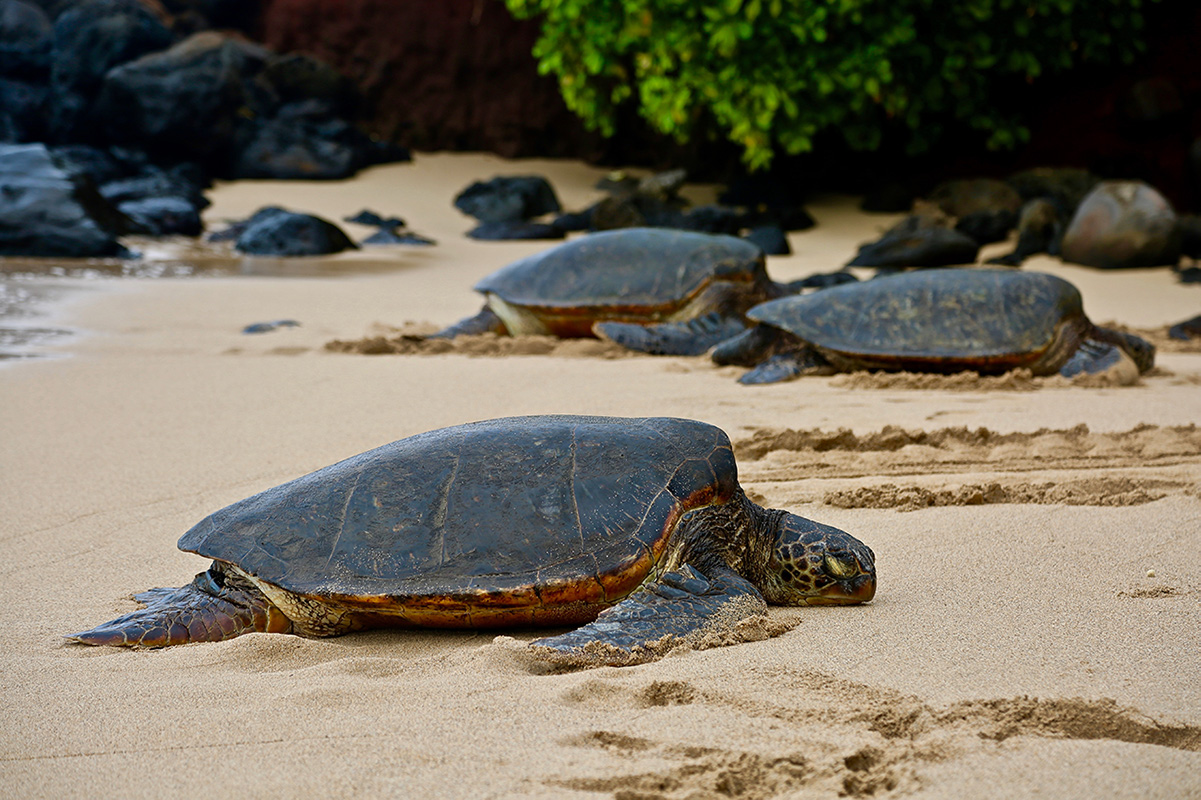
(521,521)
(951,320)
(698,283)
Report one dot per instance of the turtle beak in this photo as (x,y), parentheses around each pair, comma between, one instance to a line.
(855,582)
(859,589)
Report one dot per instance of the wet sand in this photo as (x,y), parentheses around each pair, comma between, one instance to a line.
(1037,630)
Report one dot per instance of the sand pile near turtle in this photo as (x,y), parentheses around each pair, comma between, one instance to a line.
(1030,647)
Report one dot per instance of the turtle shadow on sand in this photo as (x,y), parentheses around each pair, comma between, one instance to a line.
(636,529)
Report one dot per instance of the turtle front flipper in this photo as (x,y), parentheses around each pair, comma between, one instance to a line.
(1120,355)
(785,367)
(683,607)
(214,606)
(687,338)
(486,321)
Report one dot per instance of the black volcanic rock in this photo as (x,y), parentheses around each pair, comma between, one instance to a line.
(508,198)
(278,232)
(88,41)
(25,32)
(47,211)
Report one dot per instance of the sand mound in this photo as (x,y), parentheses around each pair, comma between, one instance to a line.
(1131,467)
(866,740)
(412,339)
(1086,492)
(981,444)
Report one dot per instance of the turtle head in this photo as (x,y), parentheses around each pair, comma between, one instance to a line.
(814,564)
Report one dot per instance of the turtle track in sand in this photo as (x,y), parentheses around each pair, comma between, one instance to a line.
(1073,466)
(836,737)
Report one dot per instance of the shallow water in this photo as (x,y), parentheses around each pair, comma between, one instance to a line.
(32,289)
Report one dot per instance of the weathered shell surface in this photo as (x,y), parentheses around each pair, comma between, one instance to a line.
(952,313)
(491,506)
(632,267)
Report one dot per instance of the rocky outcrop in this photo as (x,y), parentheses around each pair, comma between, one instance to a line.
(45,210)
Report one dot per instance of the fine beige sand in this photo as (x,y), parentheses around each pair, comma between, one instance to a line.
(1036,633)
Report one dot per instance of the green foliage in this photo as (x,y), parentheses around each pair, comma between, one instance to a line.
(772,74)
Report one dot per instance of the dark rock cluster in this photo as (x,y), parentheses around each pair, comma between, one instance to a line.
(507,208)
(137,107)
(1065,212)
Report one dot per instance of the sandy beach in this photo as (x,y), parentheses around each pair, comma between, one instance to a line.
(1036,632)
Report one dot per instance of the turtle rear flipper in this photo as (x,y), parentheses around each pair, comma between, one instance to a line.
(683,608)
(687,338)
(210,608)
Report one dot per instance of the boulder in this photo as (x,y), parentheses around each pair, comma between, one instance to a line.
(508,198)
(162,216)
(184,102)
(88,40)
(22,111)
(771,239)
(25,32)
(155,182)
(47,211)
(1189,329)
(277,232)
(304,140)
(295,78)
(1122,224)
(369,217)
(917,242)
(397,236)
(637,211)
(98,164)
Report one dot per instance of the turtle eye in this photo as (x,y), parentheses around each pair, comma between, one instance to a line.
(841,568)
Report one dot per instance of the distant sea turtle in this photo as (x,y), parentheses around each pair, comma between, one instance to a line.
(952,320)
(512,522)
(701,283)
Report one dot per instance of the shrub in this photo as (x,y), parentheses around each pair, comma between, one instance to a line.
(772,74)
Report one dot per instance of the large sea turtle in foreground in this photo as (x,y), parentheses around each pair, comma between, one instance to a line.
(986,321)
(521,521)
(951,320)
(699,283)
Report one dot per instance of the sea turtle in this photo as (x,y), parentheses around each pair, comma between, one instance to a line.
(546,520)
(952,320)
(701,283)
